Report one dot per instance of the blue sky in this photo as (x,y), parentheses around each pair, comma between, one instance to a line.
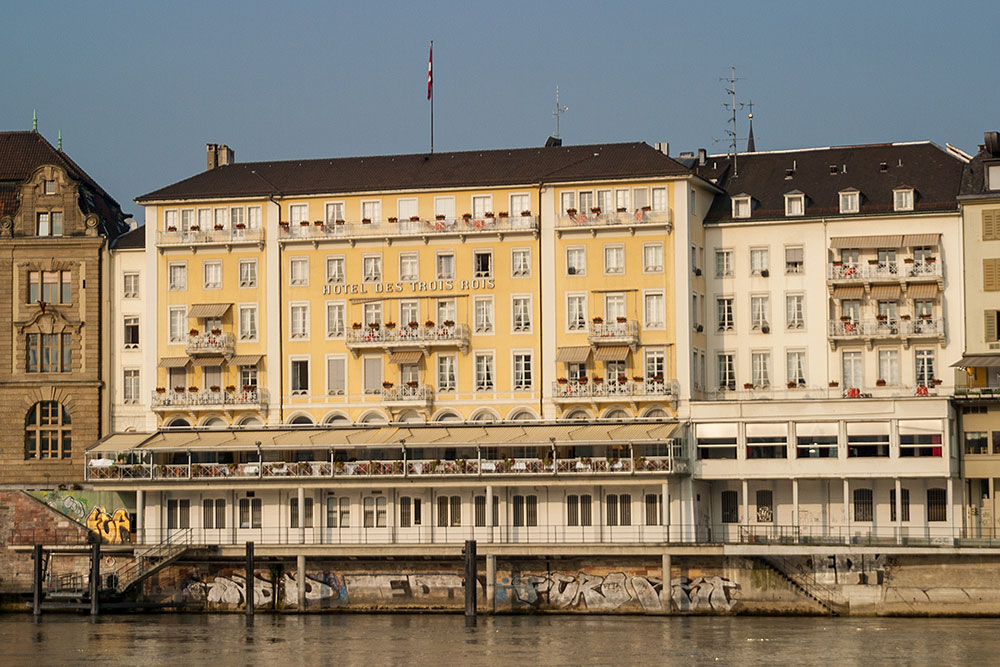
(138,88)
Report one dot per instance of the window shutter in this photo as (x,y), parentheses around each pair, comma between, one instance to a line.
(991,326)
(373,374)
(335,377)
(991,219)
(990,275)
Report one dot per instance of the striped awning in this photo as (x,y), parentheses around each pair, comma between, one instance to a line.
(861,242)
(611,353)
(978,361)
(245,360)
(922,291)
(209,361)
(916,240)
(853,292)
(406,357)
(885,292)
(202,310)
(573,355)
(173,362)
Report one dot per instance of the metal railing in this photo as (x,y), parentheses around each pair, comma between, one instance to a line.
(405,335)
(886,328)
(171,398)
(461,225)
(577,390)
(207,236)
(883,271)
(420,394)
(210,343)
(609,218)
(154,558)
(805,392)
(609,333)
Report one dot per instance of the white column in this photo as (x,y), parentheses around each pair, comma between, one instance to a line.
(899,511)
(746,504)
(949,508)
(993,510)
(140,522)
(489,513)
(795,507)
(300,570)
(301,501)
(847,510)
(665,509)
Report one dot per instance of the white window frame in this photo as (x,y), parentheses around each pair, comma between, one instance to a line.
(485,360)
(291,375)
(131,386)
(760,311)
(178,336)
(130,291)
(725,369)
(760,369)
(248,276)
(332,277)
(485,325)
(441,270)
(298,330)
(408,258)
(297,213)
(521,307)
(331,307)
(376,386)
(654,362)
(614,259)
(887,359)
(902,199)
(329,389)
(791,374)
(649,323)
(924,366)
(741,207)
(795,318)
(760,260)
(483,202)
(728,322)
(515,272)
(576,325)
(298,271)
(132,320)
(652,264)
(171,219)
(331,209)
(515,209)
(447,373)
(723,263)
(582,253)
(181,283)
(445,206)
(850,201)
(254,217)
(371,264)
(248,336)
(522,370)
(373,212)
(476,272)
(211,266)
(795,205)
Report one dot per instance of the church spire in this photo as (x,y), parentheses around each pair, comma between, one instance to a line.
(751,147)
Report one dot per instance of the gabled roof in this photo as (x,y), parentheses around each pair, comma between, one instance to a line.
(823,173)
(22,152)
(974,177)
(520,166)
(132,239)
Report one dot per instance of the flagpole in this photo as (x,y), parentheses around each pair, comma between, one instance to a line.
(430,88)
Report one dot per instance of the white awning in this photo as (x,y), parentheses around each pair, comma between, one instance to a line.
(203,310)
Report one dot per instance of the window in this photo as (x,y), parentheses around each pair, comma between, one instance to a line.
(481,204)
(47,432)
(660,200)
(522,371)
(992,318)
(902,199)
(614,259)
(863,505)
(449,511)
(618,509)
(299,321)
(867,439)
(130,386)
(408,267)
(445,266)
(299,271)
(652,258)
(604,200)
(653,506)
(446,373)
(50,224)
(132,332)
(248,322)
(372,369)
(410,511)
(408,313)
(924,437)
(991,225)
(850,201)
(480,511)
(485,377)
(654,310)
(220,219)
(567,201)
(204,219)
(924,367)
(520,263)
(372,313)
(251,512)
(519,203)
(576,312)
(579,508)
(335,270)
(760,369)
(335,325)
(178,513)
(49,353)
(852,370)
(586,202)
(336,376)
(851,309)
(741,207)
(248,273)
(213,513)
(794,256)
(447,310)
(374,511)
(177,276)
(236,216)
(795,311)
(253,217)
(248,377)
(730,507)
(297,214)
(49,187)
(765,506)
(723,263)
(170,220)
(904,502)
(795,367)
(483,307)
(758,261)
(372,268)
(177,321)
(525,511)
(444,207)
(130,288)
(977,442)
(614,307)
(576,261)
(759,313)
(655,366)
(334,212)
(726,366)
(795,204)
(300,377)
(622,199)
(482,263)
(888,367)
(212,272)
(521,313)
(724,313)
(293,507)
(49,286)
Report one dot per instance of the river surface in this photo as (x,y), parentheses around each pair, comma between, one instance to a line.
(439,640)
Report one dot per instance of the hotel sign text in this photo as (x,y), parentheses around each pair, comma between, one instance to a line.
(413,285)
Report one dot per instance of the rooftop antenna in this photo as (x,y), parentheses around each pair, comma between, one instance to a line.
(59,142)
(733,106)
(559,110)
(34,120)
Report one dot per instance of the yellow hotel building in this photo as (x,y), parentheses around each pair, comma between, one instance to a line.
(346,330)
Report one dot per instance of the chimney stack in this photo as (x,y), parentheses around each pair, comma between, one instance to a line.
(219,155)
(663,147)
(702,154)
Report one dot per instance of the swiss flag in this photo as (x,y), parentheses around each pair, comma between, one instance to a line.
(430,71)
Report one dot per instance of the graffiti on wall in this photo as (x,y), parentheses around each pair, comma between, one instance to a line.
(618,591)
(89,509)
(228,590)
(113,528)
(848,569)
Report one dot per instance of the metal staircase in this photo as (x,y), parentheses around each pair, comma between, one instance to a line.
(825,596)
(150,561)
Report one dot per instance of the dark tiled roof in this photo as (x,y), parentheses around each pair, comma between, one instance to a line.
(932,172)
(437,170)
(134,238)
(21,152)
(974,175)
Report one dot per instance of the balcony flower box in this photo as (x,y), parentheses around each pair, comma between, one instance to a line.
(193,332)
(834,384)
(216,332)
(179,390)
(338,221)
(466,216)
(647,209)
(373,326)
(881,318)
(489,214)
(283,224)
(366,221)
(622,379)
(928,260)
(571,211)
(304,223)
(925,316)
(171,228)
(449,323)
(193,389)
(230,388)
(393,219)
(845,318)
(596,210)
(219,228)
(317,223)
(582,380)
(249,387)
(880,382)
(936,382)
(240,226)
(195,228)
(908,260)
(598,320)
(748,385)
(872,262)
(905,318)
(356,326)
(161,390)
(390,325)
(525,214)
(414,324)
(412,384)
(637,378)
(792,384)
(598,379)
(414,218)
(562,380)
(429,324)
(387,385)
(658,379)
(620,320)
(621,209)
(215,388)
(439,218)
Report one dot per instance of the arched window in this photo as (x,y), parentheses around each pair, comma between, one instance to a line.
(301,420)
(47,432)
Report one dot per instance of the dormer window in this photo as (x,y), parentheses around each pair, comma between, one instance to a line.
(850,200)
(49,224)
(795,203)
(993,177)
(50,187)
(741,206)
(902,199)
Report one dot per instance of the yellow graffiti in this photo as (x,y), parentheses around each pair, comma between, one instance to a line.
(113,528)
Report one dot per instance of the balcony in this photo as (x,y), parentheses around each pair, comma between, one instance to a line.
(409,395)
(422,336)
(375,229)
(213,236)
(977,393)
(210,344)
(171,399)
(620,219)
(622,332)
(907,330)
(838,272)
(815,393)
(576,391)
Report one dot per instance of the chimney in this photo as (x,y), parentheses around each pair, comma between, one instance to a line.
(702,154)
(213,156)
(663,147)
(226,155)
(219,155)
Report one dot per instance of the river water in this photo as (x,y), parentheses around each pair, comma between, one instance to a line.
(439,640)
